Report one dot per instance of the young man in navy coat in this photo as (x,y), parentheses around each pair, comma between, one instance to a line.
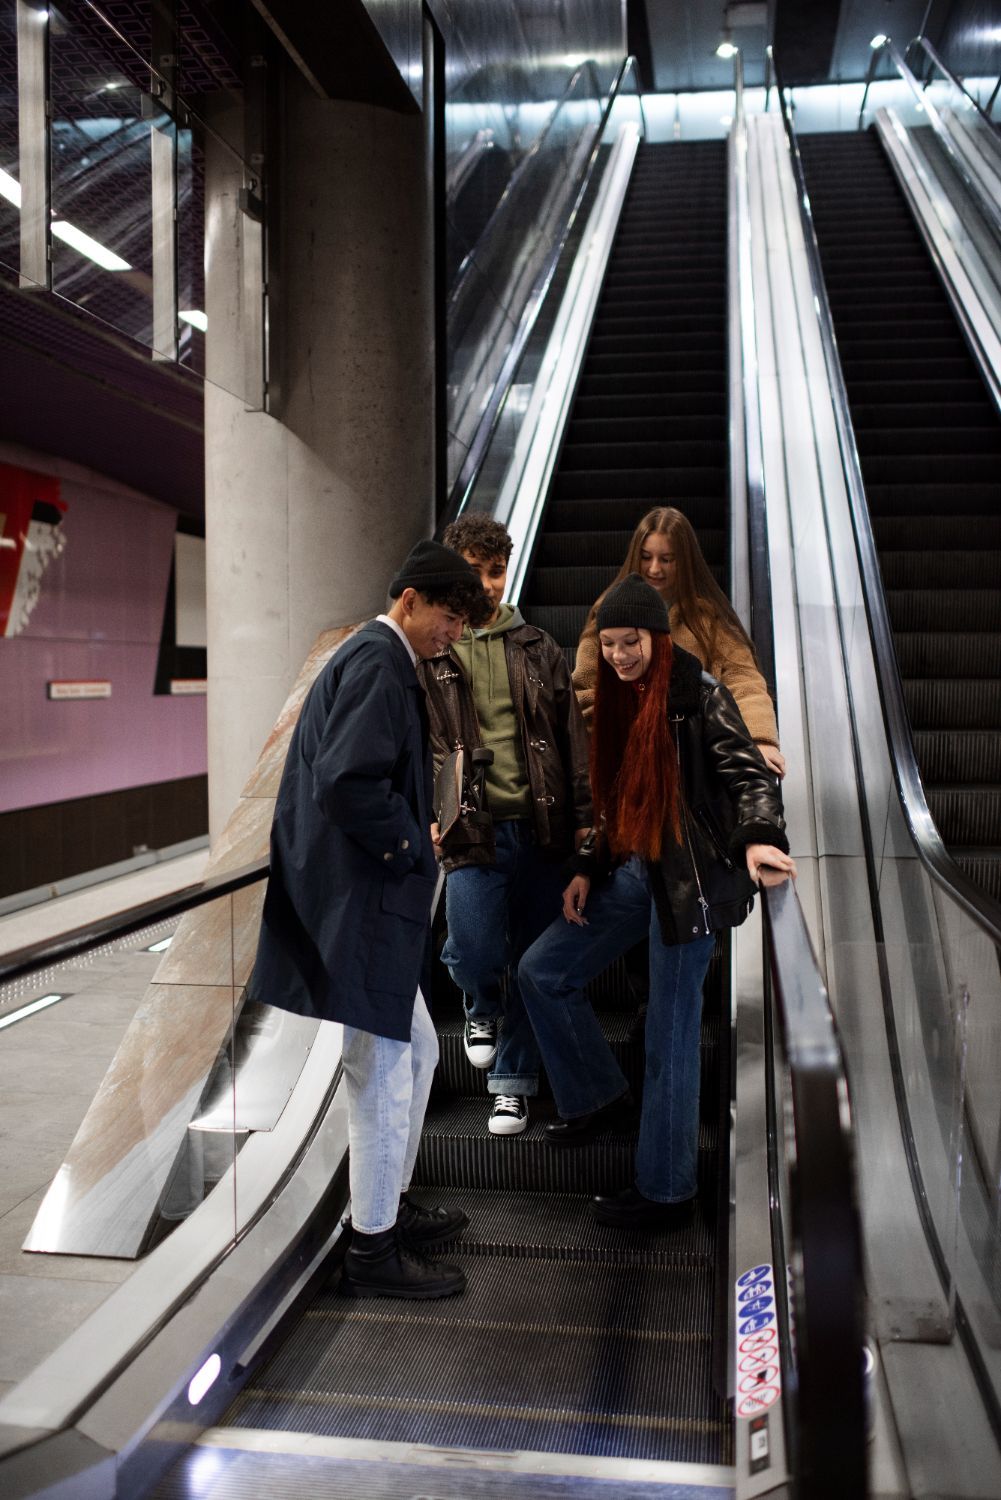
(345,932)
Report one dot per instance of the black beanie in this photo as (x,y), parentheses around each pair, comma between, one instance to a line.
(429,565)
(634,604)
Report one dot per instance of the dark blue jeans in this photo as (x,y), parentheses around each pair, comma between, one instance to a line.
(494,913)
(581,1068)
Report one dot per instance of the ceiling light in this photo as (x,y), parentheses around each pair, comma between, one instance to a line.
(727,49)
(879,40)
(195,318)
(10,188)
(24,1011)
(77,240)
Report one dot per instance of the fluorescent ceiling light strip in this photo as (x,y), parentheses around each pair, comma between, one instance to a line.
(77,240)
(195,318)
(29,1010)
(10,188)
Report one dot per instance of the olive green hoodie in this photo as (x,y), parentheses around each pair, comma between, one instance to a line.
(481,655)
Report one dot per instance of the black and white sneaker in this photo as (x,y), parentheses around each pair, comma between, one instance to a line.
(480,1041)
(509,1115)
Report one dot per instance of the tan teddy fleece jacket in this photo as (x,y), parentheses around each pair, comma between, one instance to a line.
(732,665)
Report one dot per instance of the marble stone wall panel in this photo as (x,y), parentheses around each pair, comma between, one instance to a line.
(267,774)
(106,1193)
(217,943)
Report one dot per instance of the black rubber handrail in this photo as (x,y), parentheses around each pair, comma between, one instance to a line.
(823,1241)
(68,945)
(910,789)
(826,1236)
(465,482)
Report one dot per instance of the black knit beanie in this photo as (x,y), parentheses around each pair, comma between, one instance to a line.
(634,604)
(429,565)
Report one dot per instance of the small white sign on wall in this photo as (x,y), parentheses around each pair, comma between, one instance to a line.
(80,687)
(188,687)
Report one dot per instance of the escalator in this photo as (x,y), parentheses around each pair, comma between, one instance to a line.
(929,442)
(571,1337)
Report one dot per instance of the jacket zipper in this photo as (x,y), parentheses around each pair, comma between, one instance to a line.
(724,856)
(688,839)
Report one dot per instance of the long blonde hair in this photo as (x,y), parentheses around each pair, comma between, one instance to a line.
(701,604)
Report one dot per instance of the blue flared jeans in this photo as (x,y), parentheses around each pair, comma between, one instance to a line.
(494,912)
(582,1069)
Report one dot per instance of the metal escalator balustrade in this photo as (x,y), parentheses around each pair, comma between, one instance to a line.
(929,442)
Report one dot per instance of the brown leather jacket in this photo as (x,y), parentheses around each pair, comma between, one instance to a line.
(554,740)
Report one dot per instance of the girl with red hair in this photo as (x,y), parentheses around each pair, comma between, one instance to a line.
(691,821)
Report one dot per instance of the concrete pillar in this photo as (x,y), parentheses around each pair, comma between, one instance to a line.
(309,511)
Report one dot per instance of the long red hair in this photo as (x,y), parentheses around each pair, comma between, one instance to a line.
(634,763)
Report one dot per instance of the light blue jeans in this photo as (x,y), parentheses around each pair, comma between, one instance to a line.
(388,1084)
(582,1069)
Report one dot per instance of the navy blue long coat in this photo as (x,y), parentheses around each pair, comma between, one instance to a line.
(345,930)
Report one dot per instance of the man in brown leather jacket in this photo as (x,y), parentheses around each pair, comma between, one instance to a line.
(507,688)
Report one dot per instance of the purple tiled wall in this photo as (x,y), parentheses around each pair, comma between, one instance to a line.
(99,615)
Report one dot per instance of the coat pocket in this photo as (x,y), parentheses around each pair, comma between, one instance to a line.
(396,954)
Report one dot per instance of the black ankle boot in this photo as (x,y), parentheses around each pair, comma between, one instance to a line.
(377,1265)
(417,1226)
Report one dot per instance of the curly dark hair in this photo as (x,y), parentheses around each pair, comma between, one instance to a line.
(479,535)
(462,598)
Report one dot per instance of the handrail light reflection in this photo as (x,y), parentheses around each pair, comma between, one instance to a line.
(204,1380)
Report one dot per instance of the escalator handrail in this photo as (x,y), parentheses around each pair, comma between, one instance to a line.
(943,67)
(825,1233)
(68,945)
(990,210)
(465,482)
(927,840)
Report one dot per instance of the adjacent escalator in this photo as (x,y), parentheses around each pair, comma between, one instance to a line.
(571,1336)
(929,442)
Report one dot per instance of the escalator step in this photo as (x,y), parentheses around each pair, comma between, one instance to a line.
(932,653)
(456,1147)
(557,1226)
(626,511)
(945,609)
(967,814)
(968,499)
(983,867)
(940,569)
(576,585)
(456,1075)
(606,1361)
(608,484)
(917,532)
(564,622)
(942,703)
(947,756)
(593,548)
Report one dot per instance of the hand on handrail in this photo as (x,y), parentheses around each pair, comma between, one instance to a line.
(768,866)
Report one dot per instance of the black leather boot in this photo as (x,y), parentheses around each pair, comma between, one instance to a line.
(630,1210)
(377,1265)
(417,1226)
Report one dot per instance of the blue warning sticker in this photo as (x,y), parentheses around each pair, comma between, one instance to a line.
(751,1325)
(759,1305)
(758,1274)
(756,1289)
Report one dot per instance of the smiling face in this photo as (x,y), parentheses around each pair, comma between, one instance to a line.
(658,564)
(492,573)
(430,628)
(628,651)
